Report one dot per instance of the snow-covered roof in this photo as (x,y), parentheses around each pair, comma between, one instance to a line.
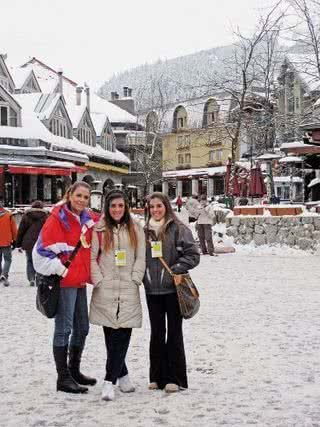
(19,75)
(287,179)
(195,111)
(291,159)
(269,156)
(294,144)
(33,128)
(195,172)
(48,80)
(99,121)
(75,113)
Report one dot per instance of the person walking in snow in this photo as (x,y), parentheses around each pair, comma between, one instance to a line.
(204,226)
(28,232)
(117,270)
(169,238)
(8,236)
(69,223)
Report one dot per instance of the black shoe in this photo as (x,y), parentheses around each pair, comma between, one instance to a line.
(65,381)
(67,384)
(74,367)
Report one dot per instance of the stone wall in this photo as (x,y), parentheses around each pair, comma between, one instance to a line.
(302,232)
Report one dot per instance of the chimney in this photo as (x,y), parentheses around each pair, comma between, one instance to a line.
(125,91)
(79,90)
(129,92)
(87,91)
(60,84)
(114,96)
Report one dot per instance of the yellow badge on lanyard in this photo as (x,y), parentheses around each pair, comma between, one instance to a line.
(84,242)
(120,256)
(156,249)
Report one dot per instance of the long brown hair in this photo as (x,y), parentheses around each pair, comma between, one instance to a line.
(125,220)
(169,215)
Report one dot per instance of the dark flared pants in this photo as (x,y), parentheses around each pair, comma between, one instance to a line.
(117,344)
(167,356)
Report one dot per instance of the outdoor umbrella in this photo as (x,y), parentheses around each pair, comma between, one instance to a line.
(257,186)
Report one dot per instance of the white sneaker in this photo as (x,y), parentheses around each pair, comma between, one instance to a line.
(171,388)
(107,391)
(125,384)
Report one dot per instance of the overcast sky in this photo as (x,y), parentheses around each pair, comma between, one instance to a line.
(92,39)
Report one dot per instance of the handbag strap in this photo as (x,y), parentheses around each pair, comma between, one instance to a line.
(72,256)
(163,262)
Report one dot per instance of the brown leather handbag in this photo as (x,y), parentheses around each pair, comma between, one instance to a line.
(188,295)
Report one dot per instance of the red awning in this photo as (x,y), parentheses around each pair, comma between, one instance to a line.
(32,170)
(79,169)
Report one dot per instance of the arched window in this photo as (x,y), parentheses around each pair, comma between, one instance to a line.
(179,118)
(210,113)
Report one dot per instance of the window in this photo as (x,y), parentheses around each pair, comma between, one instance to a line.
(215,155)
(4,116)
(13,118)
(187,141)
(297,102)
(179,118)
(188,158)
(180,141)
(210,112)
(180,159)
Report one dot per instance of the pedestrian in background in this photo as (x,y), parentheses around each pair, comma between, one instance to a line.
(69,223)
(8,236)
(117,269)
(169,238)
(179,203)
(204,227)
(28,232)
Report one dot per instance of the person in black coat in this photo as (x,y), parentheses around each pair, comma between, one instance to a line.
(175,243)
(28,232)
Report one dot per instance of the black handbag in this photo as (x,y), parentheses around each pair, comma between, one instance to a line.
(48,289)
(187,292)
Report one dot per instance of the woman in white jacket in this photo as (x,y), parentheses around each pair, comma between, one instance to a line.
(117,270)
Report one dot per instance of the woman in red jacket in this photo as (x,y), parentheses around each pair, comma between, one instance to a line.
(68,223)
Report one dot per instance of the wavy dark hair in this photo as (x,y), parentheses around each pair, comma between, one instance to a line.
(125,220)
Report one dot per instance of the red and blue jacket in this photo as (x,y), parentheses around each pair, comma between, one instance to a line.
(57,239)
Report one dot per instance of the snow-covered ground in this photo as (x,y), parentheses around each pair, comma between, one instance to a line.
(253,353)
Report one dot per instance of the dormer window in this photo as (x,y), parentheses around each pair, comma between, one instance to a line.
(180,118)
(210,113)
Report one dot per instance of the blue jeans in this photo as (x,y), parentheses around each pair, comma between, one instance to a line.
(6,252)
(30,269)
(71,318)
